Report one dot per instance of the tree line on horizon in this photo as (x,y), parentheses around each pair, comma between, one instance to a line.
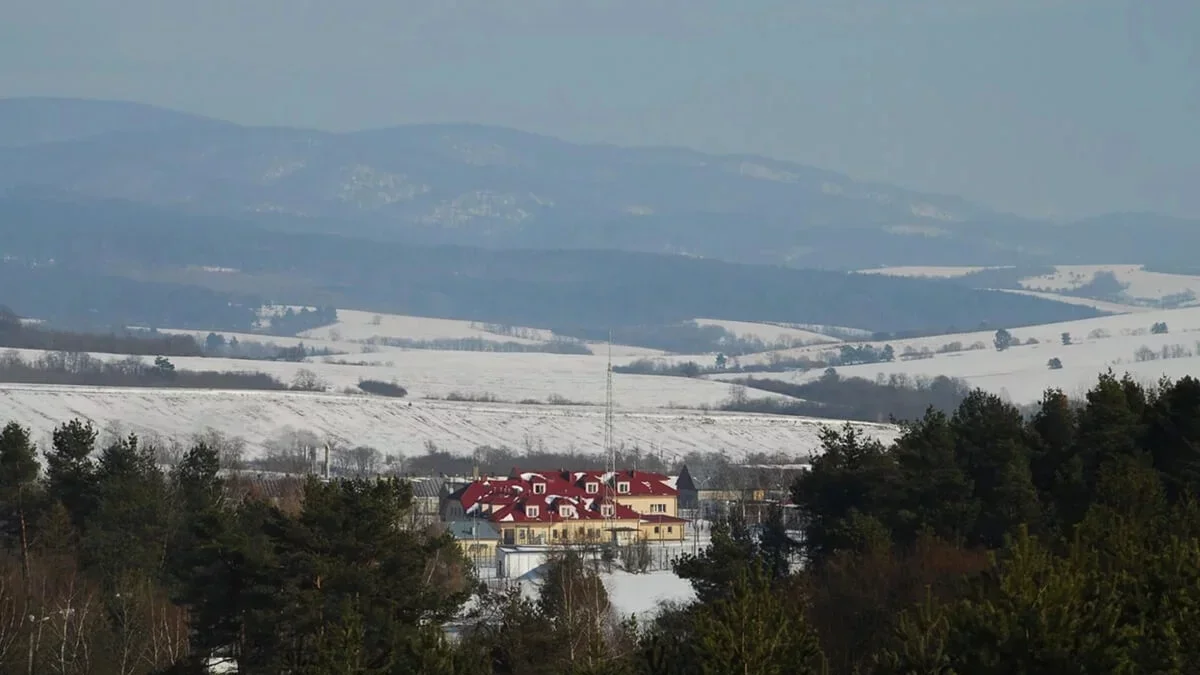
(981,541)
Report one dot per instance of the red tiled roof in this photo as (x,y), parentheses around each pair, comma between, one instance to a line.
(549,510)
(641,483)
(661,518)
(508,499)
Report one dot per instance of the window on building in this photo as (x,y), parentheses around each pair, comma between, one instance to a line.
(623,487)
(554,534)
(564,511)
(606,510)
(656,529)
(592,488)
(531,511)
(670,529)
(658,508)
(539,488)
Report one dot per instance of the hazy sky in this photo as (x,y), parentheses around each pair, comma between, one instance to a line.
(1045,107)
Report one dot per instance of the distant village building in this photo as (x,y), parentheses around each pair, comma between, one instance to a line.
(427,496)
(710,493)
(538,508)
(477,538)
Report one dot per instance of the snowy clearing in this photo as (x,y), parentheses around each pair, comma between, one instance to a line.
(638,595)
(355,326)
(1101,305)
(359,326)
(947,272)
(1130,331)
(509,377)
(766,332)
(643,594)
(1022,372)
(280,340)
(1142,285)
(395,426)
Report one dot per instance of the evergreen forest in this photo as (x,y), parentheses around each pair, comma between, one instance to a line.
(985,540)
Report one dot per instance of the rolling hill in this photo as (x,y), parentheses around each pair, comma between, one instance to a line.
(495,187)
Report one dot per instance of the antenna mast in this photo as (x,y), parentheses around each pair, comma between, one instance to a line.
(609,449)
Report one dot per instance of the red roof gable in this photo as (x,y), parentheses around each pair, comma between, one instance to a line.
(509,499)
(550,510)
(641,483)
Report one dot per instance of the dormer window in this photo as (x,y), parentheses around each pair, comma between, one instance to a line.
(623,487)
(564,511)
(539,488)
(531,511)
(607,510)
(592,488)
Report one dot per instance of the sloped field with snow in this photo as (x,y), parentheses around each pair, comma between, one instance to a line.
(509,377)
(768,333)
(1023,372)
(1140,283)
(395,426)
(356,326)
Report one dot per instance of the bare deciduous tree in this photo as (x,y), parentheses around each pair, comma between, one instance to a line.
(307,380)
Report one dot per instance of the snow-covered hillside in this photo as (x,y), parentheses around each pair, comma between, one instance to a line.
(356,325)
(1023,373)
(1141,285)
(768,333)
(393,426)
(935,272)
(509,377)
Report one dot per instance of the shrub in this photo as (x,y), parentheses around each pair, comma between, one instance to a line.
(381,388)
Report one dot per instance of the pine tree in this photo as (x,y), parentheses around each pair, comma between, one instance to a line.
(753,630)
(934,493)
(730,552)
(70,470)
(992,448)
(18,483)
(848,485)
(1173,435)
(775,546)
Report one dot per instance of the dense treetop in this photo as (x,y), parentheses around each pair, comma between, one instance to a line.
(983,540)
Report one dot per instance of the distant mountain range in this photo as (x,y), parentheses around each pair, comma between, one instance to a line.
(495,187)
(101,263)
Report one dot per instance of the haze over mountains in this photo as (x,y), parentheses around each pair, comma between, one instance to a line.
(495,187)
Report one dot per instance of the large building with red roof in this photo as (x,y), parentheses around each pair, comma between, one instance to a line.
(561,507)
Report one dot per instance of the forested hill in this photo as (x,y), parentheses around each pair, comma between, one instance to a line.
(54,250)
(487,186)
(978,542)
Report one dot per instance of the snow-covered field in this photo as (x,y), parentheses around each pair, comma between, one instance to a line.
(393,426)
(767,332)
(509,377)
(947,272)
(356,326)
(1142,285)
(1022,372)
(642,595)
(1102,305)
